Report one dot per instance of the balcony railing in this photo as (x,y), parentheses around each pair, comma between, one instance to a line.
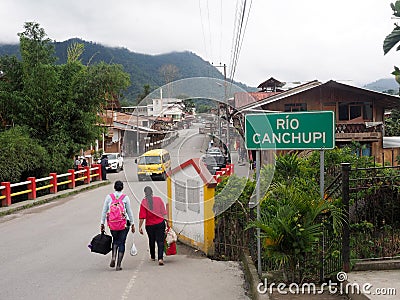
(359,127)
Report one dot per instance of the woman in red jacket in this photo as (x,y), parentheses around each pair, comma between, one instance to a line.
(152,209)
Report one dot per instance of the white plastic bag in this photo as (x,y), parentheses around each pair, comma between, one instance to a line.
(133,251)
(171,236)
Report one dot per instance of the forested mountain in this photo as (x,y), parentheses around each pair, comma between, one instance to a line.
(383,85)
(143,68)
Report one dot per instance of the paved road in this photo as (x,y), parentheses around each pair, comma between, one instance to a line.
(44,255)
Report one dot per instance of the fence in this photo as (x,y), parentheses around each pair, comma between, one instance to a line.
(373,210)
(371,203)
(50,184)
(230,234)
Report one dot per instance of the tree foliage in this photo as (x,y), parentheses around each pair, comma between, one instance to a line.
(392,123)
(21,156)
(393,38)
(58,105)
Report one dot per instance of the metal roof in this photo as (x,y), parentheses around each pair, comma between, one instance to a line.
(391,142)
(276,97)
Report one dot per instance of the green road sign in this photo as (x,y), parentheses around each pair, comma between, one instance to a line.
(290,131)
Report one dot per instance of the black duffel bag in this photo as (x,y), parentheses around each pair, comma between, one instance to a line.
(101,243)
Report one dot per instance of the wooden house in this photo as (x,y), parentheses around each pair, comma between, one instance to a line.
(359,113)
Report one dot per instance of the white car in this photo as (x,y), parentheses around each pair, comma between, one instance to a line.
(115,162)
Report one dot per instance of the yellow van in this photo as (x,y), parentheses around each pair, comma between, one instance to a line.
(153,163)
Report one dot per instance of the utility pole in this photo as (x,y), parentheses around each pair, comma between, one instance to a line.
(226,106)
(137,128)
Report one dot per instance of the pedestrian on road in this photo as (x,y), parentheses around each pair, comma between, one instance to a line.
(84,162)
(77,163)
(119,236)
(152,209)
(242,154)
(104,164)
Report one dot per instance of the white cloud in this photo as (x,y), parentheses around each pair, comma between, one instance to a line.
(289,40)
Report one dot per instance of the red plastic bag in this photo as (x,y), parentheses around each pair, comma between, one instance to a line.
(169,249)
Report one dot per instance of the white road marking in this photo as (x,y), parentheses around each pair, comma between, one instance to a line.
(133,279)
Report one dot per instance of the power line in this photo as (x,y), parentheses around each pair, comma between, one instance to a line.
(241,19)
(202,29)
(235,37)
(220,37)
(209,30)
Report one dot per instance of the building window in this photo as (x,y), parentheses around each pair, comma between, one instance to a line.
(367,111)
(359,149)
(292,107)
(363,149)
(366,151)
(355,110)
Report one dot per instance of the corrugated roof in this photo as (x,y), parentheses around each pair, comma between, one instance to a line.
(241,99)
(391,142)
(281,95)
(131,127)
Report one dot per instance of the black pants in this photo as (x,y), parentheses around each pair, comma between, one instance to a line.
(156,234)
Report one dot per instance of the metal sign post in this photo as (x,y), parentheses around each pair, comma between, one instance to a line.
(321,172)
(258,166)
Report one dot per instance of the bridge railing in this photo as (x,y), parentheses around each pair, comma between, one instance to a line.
(50,183)
(227,171)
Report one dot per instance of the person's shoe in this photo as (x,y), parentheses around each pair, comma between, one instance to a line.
(113,256)
(112,263)
(160,262)
(119,260)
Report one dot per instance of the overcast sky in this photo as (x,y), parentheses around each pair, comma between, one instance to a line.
(289,40)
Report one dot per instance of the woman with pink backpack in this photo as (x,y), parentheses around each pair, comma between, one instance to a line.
(117,210)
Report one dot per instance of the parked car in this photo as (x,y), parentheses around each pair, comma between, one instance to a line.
(115,162)
(214,159)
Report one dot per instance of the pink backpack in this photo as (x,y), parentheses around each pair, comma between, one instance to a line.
(116,218)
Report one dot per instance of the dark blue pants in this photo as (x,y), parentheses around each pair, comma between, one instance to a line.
(119,238)
(156,234)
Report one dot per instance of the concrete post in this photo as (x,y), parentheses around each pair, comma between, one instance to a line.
(32,186)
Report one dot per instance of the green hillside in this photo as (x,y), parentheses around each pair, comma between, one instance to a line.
(384,85)
(143,68)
